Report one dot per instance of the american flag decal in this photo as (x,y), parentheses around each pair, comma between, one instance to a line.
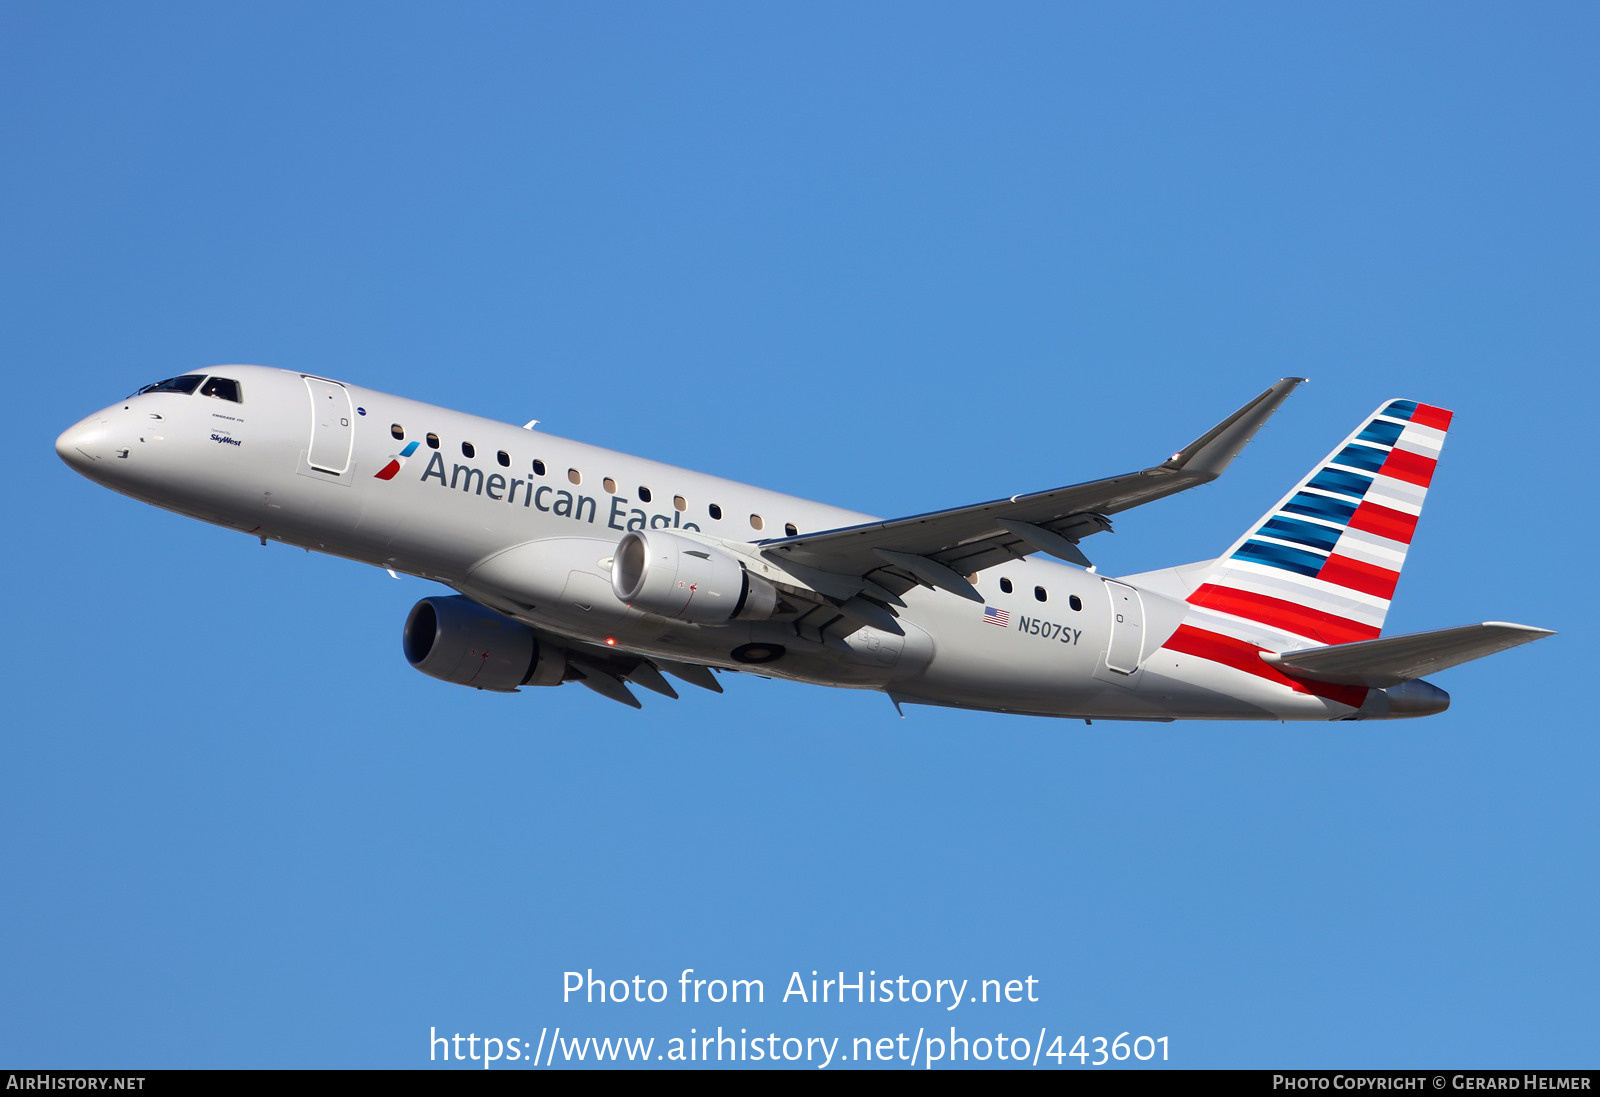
(1001,617)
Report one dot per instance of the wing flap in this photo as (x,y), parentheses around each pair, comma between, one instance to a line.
(1395,659)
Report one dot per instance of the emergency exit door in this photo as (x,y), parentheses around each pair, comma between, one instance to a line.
(1127,628)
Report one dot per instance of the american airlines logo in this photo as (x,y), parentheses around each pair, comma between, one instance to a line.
(396,463)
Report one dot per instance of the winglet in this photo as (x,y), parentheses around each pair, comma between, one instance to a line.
(1214,450)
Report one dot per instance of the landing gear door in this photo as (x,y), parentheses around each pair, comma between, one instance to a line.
(1126,649)
(332,435)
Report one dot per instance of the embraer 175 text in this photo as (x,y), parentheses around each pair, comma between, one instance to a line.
(575,563)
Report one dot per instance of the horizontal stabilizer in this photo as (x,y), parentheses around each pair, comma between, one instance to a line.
(1395,659)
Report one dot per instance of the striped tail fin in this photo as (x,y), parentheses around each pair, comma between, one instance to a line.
(1321,567)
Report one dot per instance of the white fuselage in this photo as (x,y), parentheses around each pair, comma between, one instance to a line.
(527,524)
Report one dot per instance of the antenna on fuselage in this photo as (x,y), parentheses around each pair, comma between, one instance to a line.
(530,424)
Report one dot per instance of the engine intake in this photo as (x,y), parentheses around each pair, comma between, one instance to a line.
(671,576)
(457,640)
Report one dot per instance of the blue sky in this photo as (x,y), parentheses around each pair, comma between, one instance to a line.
(897,257)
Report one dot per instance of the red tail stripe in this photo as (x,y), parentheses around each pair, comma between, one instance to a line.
(1413,468)
(1367,578)
(1427,415)
(1239,655)
(1289,616)
(1384,521)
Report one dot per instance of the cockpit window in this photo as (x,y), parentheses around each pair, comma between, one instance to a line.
(222,388)
(185,384)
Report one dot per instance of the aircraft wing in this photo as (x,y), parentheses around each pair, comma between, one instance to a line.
(1395,659)
(941,547)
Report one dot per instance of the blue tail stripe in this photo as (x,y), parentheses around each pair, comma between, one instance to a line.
(1281,556)
(1320,506)
(1301,532)
(1362,457)
(1401,409)
(1381,432)
(1344,483)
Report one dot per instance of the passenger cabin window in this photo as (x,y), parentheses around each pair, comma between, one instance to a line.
(574,476)
(679,503)
(1005,585)
(1038,592)
(788,528)
(185,384)
(538,467)
(1075,602)
(715,511)
(504,458)
(610,485)
(223,389)
(467,450)
(398,431)
(433,441)
(756,522)
(644,495)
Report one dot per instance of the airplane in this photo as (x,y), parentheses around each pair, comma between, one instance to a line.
(573,563)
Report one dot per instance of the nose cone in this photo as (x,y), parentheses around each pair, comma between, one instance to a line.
(84,445)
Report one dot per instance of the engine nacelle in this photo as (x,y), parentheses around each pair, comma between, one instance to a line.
(457,640)
(671,576)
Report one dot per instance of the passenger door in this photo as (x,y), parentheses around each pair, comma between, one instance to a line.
(332,435)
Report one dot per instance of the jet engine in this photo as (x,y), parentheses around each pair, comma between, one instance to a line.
(457,640)
(671,576)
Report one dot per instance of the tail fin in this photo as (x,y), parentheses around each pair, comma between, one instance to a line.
(1321,566)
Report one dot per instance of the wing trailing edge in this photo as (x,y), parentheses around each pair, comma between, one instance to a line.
(968,539)
(1396,659)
